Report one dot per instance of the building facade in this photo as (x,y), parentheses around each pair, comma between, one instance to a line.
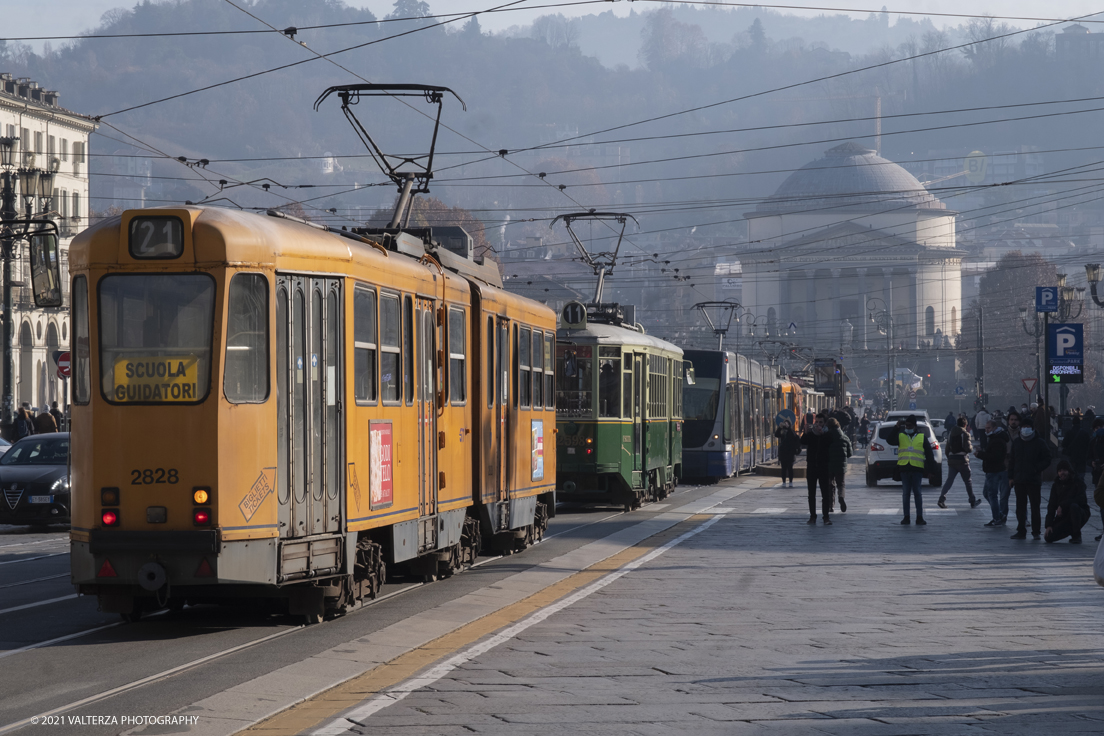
(48,137)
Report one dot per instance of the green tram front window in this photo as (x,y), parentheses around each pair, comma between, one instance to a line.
(155,337)
(574,381)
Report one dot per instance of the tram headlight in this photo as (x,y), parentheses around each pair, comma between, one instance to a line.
(201,496)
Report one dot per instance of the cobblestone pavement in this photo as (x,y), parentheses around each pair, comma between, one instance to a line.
(763,624)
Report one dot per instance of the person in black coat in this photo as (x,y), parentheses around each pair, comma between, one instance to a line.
(1068,509)
(789,447)
(1075,445)
(1030,456)
(816,441)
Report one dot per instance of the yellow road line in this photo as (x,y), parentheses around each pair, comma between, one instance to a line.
(311,712)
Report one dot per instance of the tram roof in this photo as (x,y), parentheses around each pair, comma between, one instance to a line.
(603,334)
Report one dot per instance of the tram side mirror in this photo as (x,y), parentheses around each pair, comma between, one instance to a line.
(46,270)
(571,368)
(690,379)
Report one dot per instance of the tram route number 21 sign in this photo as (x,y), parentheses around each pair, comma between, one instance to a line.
(380,488)
(160,379)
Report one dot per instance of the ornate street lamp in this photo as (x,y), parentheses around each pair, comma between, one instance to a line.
(7,150)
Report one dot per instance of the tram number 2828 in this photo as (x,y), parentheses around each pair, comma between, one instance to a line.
(154,476)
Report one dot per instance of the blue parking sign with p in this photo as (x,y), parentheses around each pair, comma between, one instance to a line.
(1066,344)
(1046,298)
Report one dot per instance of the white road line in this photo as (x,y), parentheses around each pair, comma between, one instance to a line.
(144,681)
(37,604)
(35,580)
(32,559)
(769,511)
(67,637)
(884,512)
(394,694)
(719,510)
(40,541)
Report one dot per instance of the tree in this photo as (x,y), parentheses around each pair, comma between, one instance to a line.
(472,28)
(556,31)
(757,35)
(667,40)
(410,9)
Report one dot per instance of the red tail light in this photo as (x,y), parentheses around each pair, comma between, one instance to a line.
(877,447)
(106,570)
(201,517)
(935,445)
(110,518)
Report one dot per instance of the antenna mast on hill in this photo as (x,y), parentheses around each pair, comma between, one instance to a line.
(602,262)
(405,171)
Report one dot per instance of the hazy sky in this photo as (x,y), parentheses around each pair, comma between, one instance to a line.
(65,17)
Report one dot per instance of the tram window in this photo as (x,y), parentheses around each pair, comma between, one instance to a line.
(514,365)
(458,387)
(364,344)
(609,384)
(389,348)
(82,366)
(490,362)
(245,379)
(155,337)
(574,381)
(525,384)
(538,369)
(549,373)
(408,349)
(626,387)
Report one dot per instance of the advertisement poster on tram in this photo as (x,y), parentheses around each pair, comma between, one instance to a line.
(538,449)
(380,492)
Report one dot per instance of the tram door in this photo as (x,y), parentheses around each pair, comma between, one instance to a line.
(309,377)
(638,412)
(502,413)
(426,398)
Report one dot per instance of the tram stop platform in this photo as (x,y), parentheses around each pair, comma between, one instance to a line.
(731,615)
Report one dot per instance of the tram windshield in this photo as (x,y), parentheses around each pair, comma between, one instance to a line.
(574,381)
(155,337)
(700,398)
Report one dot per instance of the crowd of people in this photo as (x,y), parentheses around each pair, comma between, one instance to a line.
(30,421)
(1013,454)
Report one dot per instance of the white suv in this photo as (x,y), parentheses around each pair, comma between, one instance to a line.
(881,457)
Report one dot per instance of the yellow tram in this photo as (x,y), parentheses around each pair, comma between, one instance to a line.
(267,408)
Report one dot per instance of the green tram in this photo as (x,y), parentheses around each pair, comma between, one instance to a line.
(618,409)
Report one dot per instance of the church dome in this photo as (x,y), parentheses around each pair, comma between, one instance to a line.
(848,178)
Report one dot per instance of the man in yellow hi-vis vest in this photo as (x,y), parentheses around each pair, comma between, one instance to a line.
(914,454)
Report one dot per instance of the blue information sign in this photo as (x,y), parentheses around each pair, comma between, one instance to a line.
(1046,298)
(1066,344)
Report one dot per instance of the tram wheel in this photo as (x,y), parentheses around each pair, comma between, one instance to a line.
(310,619)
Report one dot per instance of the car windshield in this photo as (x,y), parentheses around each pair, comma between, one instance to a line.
(36,451)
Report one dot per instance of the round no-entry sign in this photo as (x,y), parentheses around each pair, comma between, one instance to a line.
(63,365)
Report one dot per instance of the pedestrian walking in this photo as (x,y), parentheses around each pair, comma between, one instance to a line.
(864,430)
(949,422)
(994,463)
(45,423)
(1067,509)
(959,448)
(980,420)
(1075,446)
(24,425)
(839,449)
(1030,456)
(914,456)
(1096,448)
(57,415)
(816,441)
(789,447)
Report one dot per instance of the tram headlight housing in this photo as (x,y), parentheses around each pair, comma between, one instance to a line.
(109,496)
(201,496)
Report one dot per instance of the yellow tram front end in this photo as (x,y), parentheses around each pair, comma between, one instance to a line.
(163,425)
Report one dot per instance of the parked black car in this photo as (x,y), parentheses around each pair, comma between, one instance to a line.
(34,480)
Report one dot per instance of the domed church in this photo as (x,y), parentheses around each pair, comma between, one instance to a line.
(841,230)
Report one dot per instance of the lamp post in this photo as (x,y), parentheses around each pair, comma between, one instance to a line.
(1036,331)
(881,316)
(36,187)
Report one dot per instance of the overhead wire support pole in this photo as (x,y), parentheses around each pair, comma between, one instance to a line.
(602,262)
